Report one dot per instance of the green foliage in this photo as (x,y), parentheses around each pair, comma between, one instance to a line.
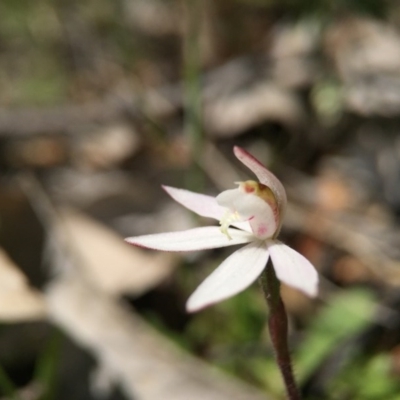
(345,315)
(230,334)
(239,320)
(367,379)
(46,367)
(7,386)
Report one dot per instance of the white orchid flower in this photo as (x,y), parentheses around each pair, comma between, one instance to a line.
(251,213)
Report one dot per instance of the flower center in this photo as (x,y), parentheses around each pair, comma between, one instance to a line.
(253,202)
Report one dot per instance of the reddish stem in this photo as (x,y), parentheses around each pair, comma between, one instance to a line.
(278,329)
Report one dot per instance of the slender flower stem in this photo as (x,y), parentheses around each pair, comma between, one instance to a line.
(278,329)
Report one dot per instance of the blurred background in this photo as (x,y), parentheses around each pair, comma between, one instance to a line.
(103,101)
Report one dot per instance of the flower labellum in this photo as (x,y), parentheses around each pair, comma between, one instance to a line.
(252,202)
(251,213)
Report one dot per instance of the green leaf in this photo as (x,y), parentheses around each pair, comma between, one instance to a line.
(346,314)
(46,367)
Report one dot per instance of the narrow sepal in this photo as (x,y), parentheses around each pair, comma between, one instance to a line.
(208,237)
(201,204)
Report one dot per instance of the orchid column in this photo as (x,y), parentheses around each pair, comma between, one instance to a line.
(250,213)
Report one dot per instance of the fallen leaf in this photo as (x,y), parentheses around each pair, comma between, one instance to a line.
(130,352)
(109,262)
(234,113)
(18,301)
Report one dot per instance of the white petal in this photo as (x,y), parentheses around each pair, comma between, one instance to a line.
(201,204)
(264,176)
(293,269)
(208,237)
(234,275)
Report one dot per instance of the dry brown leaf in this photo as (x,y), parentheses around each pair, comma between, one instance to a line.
(366,54)
(363,46)
(153,17)
(367,240)
(106,147)
(131,353)
(37,151)
(350,270)
(109,262)
(232,114)
(18,301)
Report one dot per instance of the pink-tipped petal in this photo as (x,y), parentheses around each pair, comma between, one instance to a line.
(208,237)
(201,204)
(234,275)
(266,177)
(293,269)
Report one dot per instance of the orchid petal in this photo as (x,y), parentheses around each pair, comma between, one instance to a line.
(250,208)
(208,237)
(292,268)
(266,177)
(234,275)
(201,204)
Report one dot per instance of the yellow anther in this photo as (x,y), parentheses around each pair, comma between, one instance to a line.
(226,220)
(260,190)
